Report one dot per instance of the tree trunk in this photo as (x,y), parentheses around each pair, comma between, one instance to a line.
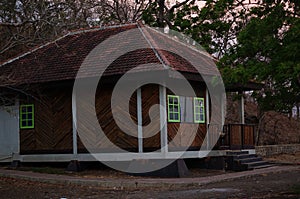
(260,123)
(298,111)
(161,4)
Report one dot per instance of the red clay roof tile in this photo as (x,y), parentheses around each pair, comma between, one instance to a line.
(61,59)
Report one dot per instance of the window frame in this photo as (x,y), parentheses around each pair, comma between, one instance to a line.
(27,113)
(196,106)
(170,112)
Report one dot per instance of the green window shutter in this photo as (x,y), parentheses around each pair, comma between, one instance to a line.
(173,108)
(27,116)
(199,111)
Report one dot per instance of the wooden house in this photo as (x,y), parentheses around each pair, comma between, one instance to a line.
(39,125)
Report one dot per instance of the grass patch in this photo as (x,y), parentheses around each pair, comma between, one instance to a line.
(296,189)
(48,170)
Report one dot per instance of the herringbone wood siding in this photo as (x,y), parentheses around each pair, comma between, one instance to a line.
(150,97)
(53,124)
(179,140)
(114,134)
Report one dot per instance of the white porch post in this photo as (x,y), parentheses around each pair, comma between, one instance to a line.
(163,119)
(17,105)
(207,116)
(223,97)
(74,120)
(242,108)
(140,120)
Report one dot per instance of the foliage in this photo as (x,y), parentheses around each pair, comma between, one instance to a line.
(255,40)
(267,51)
(213,25)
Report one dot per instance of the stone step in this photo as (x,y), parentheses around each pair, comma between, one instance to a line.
(237,152)
(261,166)
(250,159)
(242,160)
(244,156)
(252,165)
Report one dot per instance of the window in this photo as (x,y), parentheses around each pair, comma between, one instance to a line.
(27,116)
(173,108)
(199,115)
(186,109)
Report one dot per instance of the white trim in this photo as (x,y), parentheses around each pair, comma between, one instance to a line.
(250,151)
(100,28)
(140,119)
(163,119)
(74,123)
(119,156)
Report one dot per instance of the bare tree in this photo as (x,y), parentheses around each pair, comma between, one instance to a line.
(27,23)
(125,10)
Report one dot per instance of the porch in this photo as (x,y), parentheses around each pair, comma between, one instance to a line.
(233,137)
(237,137)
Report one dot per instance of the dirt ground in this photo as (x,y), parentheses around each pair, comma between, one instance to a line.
(278,185)
(285,158)
(272,185)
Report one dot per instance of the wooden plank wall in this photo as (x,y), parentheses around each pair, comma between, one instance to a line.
(241,136)
(249,136)
(105,118)
(53,123)
(185,135)
(235,136)
(150,97)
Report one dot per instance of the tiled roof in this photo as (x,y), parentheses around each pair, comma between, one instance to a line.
(61,59)
(181,56)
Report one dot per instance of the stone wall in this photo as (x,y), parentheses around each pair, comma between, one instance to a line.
(278,129)
(270,150)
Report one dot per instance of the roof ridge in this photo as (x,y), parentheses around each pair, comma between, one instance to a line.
(33,50)
(182,43)
(157,54)
(97,28)
(63,36)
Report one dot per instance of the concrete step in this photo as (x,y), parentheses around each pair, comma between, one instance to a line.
(242,160)
(252,165)
(262,166)
(244,156)
(237,152)
(250,159)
